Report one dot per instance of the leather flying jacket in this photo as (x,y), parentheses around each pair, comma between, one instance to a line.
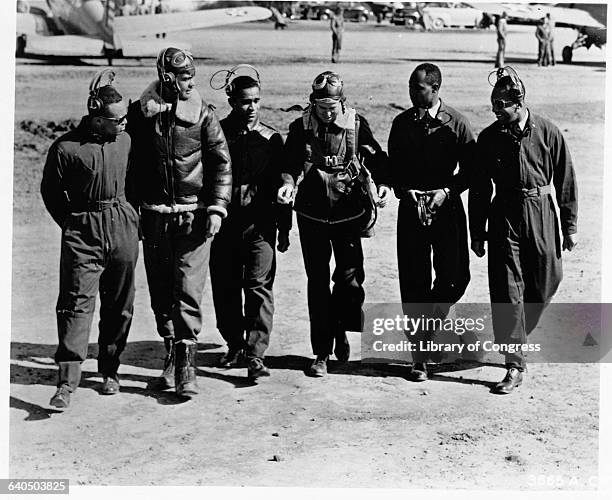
(179,153)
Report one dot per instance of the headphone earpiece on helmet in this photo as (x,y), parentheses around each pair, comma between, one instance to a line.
(94,103)
(516,92)
(228,84)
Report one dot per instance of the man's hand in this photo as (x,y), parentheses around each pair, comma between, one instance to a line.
(478,247)
(213,224)
(414,194)
(570,241)
(283,241)
(285,194)
(436,198)
(384,193)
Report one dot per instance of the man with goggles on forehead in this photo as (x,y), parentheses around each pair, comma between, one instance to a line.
(432,154)
(523,154)
(182,182)
(323,146)
(83,188)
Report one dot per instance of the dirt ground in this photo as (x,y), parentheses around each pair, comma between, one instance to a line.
(363,425)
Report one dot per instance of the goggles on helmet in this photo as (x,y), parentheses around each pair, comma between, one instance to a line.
(321,81)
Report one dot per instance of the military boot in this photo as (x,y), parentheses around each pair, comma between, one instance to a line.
(166,379)
(185,375)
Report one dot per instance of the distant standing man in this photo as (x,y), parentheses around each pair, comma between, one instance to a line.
(541,35)
(242,258)
(550,36)
(182,182)
(323,146)
(336,24)
(83,188)
(502,30)
(426,144)
(523,154)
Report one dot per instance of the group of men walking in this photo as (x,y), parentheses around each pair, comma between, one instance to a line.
(201,192)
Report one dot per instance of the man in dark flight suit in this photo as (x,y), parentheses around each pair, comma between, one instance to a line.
(523,154)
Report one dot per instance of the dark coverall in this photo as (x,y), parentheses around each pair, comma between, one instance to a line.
(327,225)
(83,188)
(181,171)
(523,233)
(423,154)
(242,253)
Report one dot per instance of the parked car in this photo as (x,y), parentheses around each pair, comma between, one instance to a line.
(408,16)
(446,14)
(359,14)
(320,12)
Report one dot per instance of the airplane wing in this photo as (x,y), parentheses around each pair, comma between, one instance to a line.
(179,21)
(530,14)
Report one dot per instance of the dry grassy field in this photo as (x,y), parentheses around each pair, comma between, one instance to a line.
(363,425)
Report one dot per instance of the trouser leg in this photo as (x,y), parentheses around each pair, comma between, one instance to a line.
(348,294)
(541,260)
(226,273)
(414,270)
(259,272)
(507,288)
(191,256)
(158,258)
(80,270)
(316,251)
(117,290)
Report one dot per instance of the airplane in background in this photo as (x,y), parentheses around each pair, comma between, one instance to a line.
(92,28)
(588,19)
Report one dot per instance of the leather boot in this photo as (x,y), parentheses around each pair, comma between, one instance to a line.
(184,375)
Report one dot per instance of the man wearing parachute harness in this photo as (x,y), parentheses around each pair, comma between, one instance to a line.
(333,205)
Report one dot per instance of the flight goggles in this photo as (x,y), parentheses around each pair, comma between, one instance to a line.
(499,104)
(181,58)
(326,79)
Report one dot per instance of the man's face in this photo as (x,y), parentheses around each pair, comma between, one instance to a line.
(422,93)
(246,104)
(327,112)
(185,83)
(505,110)
(113,121)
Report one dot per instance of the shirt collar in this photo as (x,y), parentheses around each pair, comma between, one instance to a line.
(433,111)
(523,123)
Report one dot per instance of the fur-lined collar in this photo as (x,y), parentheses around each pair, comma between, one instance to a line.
(188,111)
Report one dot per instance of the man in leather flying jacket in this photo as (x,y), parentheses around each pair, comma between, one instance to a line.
(182,181)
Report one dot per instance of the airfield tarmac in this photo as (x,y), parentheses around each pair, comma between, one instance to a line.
(363,425)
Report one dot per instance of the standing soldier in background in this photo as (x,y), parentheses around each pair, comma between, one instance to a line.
(242,255)
(541,36)
(523,154)
(182,182)
(502,30)
(336,24)
(83,188)
(323,145)
(550,37)
(426,143)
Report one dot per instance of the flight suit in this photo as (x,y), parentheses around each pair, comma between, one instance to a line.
(329,219)
(242,255)
(523,229)
(83,188)
(423,155)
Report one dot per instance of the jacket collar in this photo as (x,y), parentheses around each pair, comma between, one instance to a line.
(344,120)
(188,111)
